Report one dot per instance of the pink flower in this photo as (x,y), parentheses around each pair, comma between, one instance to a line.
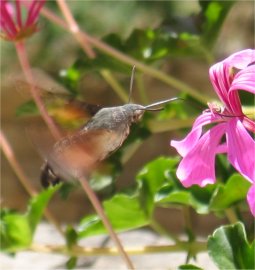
(12,25)
(231,131)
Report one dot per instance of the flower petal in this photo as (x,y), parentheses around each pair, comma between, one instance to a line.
(185,145)
(240,59)
(197,167)
(251,199)
(241,149)
(220,79)
(249,124)
(244,80)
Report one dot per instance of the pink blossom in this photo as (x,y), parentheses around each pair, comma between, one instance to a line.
(231,130)
(12,24)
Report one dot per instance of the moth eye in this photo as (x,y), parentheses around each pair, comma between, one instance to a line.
(137,115)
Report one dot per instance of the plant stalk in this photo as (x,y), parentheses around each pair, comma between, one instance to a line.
(100,211)
(10,156)
(196,247)
(22,55)
(173,82)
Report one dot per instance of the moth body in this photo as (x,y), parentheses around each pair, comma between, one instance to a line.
(77,154)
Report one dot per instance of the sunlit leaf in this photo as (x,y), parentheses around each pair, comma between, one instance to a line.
(124,212)
(38,204)
(233,191)
(151,178)
(17,230)
(165,197)
(229,248)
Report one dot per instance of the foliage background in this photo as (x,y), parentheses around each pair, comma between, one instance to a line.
(53,50)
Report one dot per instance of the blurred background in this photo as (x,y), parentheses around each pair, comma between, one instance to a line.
(53,50)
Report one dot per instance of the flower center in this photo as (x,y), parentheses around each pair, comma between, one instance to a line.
(221,111)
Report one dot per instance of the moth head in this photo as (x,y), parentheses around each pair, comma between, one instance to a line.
(134,112)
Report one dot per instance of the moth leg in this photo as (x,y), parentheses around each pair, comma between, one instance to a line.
(48,177)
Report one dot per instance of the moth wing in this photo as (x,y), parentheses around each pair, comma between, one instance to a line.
(79,154)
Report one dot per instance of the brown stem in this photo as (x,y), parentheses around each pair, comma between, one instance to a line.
(82,40)
(8,152)
(129,60)
(95,202)
(22,55)
(74,29)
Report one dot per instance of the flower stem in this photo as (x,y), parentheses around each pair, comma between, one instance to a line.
(75,30)
(99,209)
(196,247)
(231,215)
(10,156)
(162,231)
(82,40)
(118,89)
(22,55)
(169,124)
(141,88)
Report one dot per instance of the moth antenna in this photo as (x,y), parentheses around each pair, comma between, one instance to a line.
(150,106)
(131,84)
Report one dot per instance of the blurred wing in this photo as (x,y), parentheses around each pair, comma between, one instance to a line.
(78,154)
(65,109)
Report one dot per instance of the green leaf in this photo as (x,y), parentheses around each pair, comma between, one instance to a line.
(150,45)
(213,15)
(71,263)
(232,192)
(15,232)
(71,236)
(89,226)
(37,206)
(159,186)
(165,196)
(229,248)
(100,182)
(100,62)
(151,178)
(124,212)
(70,78)
(28,108)
(189,267)
(66,188)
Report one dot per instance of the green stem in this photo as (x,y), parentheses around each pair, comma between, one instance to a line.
(118,89)
(141,88)
(231,215)
(171,81)
(162,231)
(187,218)
(169,124)
(195,247)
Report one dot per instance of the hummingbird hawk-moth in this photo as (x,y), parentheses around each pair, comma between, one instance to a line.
(77,155)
